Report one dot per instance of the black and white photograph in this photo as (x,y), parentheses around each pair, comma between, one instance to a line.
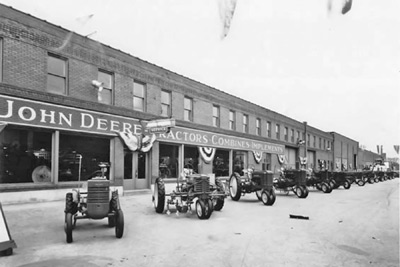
(232,133)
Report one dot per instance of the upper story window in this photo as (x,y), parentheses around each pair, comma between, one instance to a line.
(313,140)
(320,143)
(106,95)
(258,126)
(56,75)
(324,144)
(286,133)
(216,116)
(292,135)
(139,96)
(188,109)
(268,128)
(166,107)
(298,136)
(308,139)
(278,131)
(232,120)
(245,123)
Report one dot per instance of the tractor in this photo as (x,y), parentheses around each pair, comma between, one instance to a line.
(97,203)
(260,182)
(192,188)
(320,180)
(292,180)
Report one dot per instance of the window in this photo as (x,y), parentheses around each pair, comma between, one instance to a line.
(292,135)
(298,136)
(232,120)
(286,134)
(1,59)
(139,96)
(191,159)
(268,128)
(258,127)
(239,161)
(245,123)
(188,109)
(320,143)
(25,155)
(221,163)
(92,150)
(169,158)
(314,138)
(215,116)
(56,75)
(324,144)
(106,95)
(308,139)
(166,103)
(266,162)
(278,131)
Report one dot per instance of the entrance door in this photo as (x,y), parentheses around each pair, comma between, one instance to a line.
(140,170)
(128,173)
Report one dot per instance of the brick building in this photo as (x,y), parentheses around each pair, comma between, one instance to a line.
(56,126)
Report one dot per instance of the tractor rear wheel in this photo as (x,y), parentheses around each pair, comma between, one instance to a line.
(119,223)
(218,203)
(68,227)
(159,195)
(235,187)
(305,191)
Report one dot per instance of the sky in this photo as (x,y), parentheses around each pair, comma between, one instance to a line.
(338,72)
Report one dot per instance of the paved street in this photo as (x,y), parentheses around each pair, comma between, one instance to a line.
(355,227)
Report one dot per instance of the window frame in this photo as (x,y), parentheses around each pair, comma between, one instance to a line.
(278,131)
(258,126)
(245,121)
(168,105)
(269,129)
(189,111)
(286,133)
(232,120)
(111,89)
(216,117)
(143,99)
(54,75)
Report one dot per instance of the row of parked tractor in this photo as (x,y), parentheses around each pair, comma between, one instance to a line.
(207,194)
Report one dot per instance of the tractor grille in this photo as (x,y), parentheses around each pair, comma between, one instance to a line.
(265,178)
(98,191)
(201,184)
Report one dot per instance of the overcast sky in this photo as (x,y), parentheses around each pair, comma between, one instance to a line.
(337,72)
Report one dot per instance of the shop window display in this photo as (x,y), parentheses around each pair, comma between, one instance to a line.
(84,153)
(191,160)
(25,155)
(239,161)
(169,166)
(266,162)
(221,163)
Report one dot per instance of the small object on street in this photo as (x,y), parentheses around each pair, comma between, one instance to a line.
(291,216)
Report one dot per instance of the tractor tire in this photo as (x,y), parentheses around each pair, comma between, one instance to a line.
(305,191)
(209,208)
(268,197)
(347,184)
(318,186)
(200,209)
(114,201)
(7,252)
(326,188)
(376,180)
(219,203)
(70,205)
(159,195)
(360,182)
(68,227)
(298,191)
(111,221)
(119,223)
(235,187)
(258,194)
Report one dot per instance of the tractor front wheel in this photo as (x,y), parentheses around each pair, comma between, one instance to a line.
(258,194)
(119,223)
(325,188)
(68,227)
(219,203)
(200,209)
(347,184)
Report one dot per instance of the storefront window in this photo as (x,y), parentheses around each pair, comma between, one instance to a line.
(92,150)
(266,162)
(169,166)
(191,159)
(239,161)
(25,155)
(221,163)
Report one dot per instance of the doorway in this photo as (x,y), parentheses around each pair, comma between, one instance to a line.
(135,171)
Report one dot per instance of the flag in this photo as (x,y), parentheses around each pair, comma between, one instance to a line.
(226,11)
(377,147)
(342,6)
(346,6)
(396,148)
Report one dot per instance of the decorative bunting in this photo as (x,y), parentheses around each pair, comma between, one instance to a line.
(257,156)
(281,158)
(138,142)
(303,160)
(147,143)
(207,154)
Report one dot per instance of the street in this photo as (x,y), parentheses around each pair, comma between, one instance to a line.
(355,227)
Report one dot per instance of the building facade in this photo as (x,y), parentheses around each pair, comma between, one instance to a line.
(57,124)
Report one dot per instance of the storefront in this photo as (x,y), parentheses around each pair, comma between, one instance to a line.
(51,146)
(190,150)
